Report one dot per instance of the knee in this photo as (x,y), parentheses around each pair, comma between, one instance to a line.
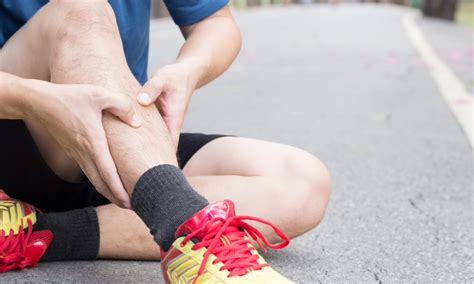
(318,190)
(78,18)
(311,193)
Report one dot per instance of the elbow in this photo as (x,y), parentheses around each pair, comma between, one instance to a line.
(238,39)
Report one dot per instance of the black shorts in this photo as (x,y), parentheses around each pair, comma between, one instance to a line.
(24,174)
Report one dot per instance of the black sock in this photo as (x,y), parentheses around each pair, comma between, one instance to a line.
(164,199)
(76,234)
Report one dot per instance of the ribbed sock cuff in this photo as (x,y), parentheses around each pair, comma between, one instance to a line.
(164,199)
(76,234)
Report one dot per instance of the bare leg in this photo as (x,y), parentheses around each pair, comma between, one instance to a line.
(284,185)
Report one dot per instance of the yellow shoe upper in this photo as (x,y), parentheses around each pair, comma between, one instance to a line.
(214,246)
(184,268)
(14,215)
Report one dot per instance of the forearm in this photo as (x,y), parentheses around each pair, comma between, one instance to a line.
(211,46)
(13,96)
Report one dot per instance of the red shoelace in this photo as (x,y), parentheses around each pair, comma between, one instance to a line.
(225,238)
(12,249)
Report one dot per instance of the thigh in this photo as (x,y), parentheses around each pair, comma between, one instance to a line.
(26,54)
(246,157)
(191,143)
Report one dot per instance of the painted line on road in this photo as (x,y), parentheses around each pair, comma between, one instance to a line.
(452,89)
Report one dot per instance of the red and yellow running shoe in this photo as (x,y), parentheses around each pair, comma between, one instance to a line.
(214,246)
(20,247)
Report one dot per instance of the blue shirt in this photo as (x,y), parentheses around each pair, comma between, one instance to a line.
(133,20)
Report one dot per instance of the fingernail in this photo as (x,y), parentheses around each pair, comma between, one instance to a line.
(144,98)
(136,121)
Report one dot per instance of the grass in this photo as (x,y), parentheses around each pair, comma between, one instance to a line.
(465,12)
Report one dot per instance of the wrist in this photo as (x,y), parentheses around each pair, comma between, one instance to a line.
(31,98)
(196,69)
(13,98)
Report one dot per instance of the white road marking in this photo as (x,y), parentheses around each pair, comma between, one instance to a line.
(453,90)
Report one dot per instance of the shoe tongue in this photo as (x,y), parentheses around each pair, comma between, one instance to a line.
(220,209)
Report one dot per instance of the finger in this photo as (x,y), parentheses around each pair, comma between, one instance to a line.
(175,138)
(150,91)
(122,201)
(121,106)
(174,127)
(93,175)
(110,176)
(173,117)
(101,187)
(108,171)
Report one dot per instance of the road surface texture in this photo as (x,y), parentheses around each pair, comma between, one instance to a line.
(345,83)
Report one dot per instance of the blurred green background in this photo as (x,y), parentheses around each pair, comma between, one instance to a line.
(461,11)
(465,12)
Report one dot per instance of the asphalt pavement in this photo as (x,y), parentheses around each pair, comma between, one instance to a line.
(345,83)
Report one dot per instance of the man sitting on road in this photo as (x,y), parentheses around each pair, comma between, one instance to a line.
(86,137)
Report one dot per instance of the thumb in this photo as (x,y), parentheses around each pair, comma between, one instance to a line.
(121,106)
(150,91)
(174,127)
